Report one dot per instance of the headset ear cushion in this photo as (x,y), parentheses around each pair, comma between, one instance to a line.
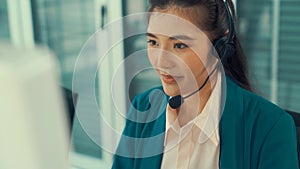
(229,50)
(219,46)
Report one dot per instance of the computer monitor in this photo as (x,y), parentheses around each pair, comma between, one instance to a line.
(34,130)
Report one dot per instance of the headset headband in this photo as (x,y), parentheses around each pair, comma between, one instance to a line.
(230,20)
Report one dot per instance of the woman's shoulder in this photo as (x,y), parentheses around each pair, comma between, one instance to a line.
(265,130)
(260,106)
(148,106)
(153,95)
(258,111)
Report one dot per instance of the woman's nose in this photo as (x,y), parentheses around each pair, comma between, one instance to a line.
(165,59)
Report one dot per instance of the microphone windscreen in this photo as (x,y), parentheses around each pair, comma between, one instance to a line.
(176,101)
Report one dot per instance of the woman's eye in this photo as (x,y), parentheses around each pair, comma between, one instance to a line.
(152,43)
(180,45)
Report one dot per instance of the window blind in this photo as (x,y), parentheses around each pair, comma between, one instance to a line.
(289,51)
(256,30)
(64,26)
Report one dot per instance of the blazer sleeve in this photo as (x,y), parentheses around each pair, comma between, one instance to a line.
(279,149)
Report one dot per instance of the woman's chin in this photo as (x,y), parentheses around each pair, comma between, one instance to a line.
(171,89)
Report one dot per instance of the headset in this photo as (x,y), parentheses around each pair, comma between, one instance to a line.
(225,48)
(225,45)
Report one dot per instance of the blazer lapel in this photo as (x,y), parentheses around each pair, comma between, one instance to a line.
(231,129)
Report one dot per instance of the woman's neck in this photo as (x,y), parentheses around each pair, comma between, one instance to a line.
(193,105)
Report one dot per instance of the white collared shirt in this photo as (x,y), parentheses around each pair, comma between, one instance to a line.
(197,143)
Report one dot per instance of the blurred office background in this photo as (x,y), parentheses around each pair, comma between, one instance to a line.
(269,31)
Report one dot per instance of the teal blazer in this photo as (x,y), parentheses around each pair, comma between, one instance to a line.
(254,133)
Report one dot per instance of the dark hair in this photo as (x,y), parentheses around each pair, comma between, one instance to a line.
(214,21)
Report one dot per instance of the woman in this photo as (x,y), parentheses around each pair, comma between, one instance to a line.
(196,130)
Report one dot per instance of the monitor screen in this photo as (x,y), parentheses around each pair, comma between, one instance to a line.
(33,125)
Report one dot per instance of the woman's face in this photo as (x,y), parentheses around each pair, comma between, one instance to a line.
(179,51)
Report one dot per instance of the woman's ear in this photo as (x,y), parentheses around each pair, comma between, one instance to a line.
(226,32)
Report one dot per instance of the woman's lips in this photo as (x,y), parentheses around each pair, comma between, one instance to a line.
(168,78)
